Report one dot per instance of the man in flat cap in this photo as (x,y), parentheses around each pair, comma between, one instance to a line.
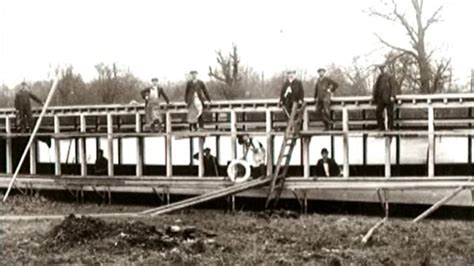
(291,92)
(195,96)
(384,93)
(23,107)
(152,95)
(323,91)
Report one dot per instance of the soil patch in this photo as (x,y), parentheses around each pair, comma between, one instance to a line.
(76,231)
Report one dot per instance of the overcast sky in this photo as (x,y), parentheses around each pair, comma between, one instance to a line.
(168,38)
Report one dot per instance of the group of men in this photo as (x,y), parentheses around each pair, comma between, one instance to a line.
(384,93)
(292,92)
(196,96)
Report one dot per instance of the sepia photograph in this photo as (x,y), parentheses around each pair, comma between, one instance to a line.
(304,132)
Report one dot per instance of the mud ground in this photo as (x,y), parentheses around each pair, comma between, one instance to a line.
(201,237)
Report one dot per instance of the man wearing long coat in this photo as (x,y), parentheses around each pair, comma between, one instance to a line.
(291,92)
(23,107)
(323,91)
(195,96)
(384,93)
(152,96)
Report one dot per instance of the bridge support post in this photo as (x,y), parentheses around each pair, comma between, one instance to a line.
(201,157)
(305,142)
(82,146)
(33,153)
(169,139)
(268,130)
(345,142)
(138,129)
(388,163)
(431,143)
(8,149)
(110,145)
(57,148)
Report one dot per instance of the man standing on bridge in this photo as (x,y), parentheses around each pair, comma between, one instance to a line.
(291,92)
(323,91)
(384,93)
(152,95)
(195,95)
(23,107)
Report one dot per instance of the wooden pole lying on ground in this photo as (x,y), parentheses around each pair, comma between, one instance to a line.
(371,231)
(438,204)
(32,137)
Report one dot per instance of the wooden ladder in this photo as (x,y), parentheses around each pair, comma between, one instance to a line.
(279,175)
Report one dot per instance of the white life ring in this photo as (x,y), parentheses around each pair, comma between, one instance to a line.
(232,173)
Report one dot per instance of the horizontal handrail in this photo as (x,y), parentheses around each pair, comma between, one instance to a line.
(336,102)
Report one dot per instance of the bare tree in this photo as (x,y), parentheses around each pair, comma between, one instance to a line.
(71,87)
(416,33)
(229,71)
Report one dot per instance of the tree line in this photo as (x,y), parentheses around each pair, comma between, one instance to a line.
(415,68)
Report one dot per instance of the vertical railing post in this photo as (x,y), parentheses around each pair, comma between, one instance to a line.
(169,139)
(345,142)
(233,130)
(138,129)
(268,130)
(82,145)
(57,148)
(431,142)
(305,142)
(8,150)
(388,165)
(110,145)
(33,160)
(201,157)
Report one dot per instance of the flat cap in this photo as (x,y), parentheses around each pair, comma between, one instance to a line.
(321,70)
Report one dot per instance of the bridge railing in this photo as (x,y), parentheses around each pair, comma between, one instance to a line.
(231,118)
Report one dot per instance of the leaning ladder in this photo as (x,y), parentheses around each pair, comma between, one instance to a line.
(279,175)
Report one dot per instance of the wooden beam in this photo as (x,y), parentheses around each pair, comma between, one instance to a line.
(269,136)
(33,157)
(82,145)
(139,143)
(371,231)
(431,143)
(168,144)
(233,130)
(388,163)
(345,142)
(438,204)
(305,146)
(57,147)
(201,157)
(8,149)
(110,145)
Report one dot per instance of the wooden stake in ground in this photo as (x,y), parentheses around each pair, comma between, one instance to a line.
(32,137)
(438,204)
(371,231)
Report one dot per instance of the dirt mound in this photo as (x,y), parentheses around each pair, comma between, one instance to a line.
(79,231)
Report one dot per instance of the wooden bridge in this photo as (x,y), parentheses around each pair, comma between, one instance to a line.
(425,117)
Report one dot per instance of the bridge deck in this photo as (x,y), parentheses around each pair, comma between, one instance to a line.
(423,116)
